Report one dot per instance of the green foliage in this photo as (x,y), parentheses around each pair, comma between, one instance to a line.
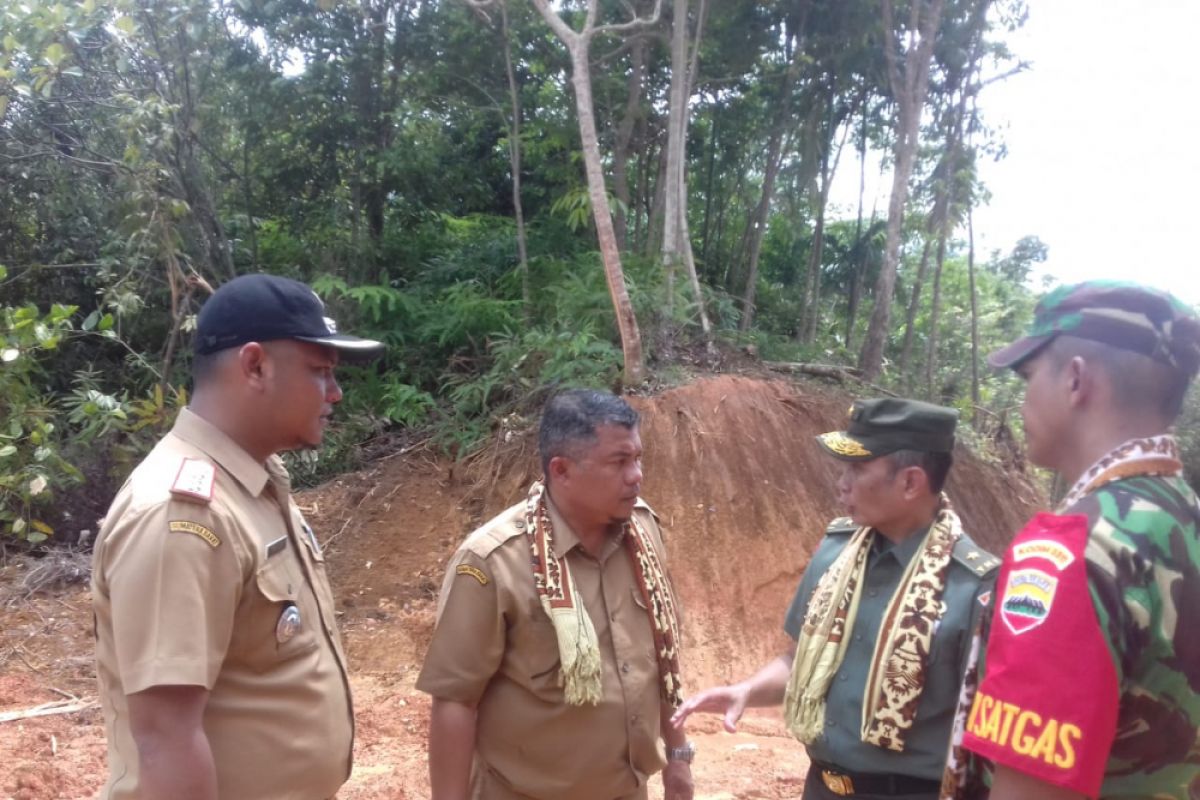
(154,150)
(32,468)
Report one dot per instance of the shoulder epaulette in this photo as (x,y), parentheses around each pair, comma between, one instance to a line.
(644,506)
(484,540)
(974,557)
(841,525)
(194,481)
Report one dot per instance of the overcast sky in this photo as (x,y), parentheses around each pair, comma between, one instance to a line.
(1103,136)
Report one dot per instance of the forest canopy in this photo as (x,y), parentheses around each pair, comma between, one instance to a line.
(512,194)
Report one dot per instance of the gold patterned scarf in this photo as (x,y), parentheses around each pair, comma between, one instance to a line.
(578,646)
(897,672)
(1155,455)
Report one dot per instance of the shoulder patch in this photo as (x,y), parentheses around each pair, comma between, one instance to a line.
(970,555)
(195,528)
(474,572)
(194,481)
(841,525)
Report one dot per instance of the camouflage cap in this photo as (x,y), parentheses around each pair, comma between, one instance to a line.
(1119,314)
(885,425)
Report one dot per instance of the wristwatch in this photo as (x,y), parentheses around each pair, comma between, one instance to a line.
(684,754)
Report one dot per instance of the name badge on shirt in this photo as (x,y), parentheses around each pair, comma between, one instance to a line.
(288,624)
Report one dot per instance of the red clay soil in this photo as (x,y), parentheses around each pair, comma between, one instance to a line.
(744,494)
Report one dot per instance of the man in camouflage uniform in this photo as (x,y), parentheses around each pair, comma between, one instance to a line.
(1090,682)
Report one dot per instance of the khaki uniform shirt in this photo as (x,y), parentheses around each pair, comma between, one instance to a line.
(198,590)
(495,648)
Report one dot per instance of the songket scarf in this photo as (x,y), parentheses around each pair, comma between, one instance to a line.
(578,646)
(897,670)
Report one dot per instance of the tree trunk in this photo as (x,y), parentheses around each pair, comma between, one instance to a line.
(637,57)
(974,314)
(935,309)
(909,90)
(859,269)
(248,196)
(579,45)
(756,228)
(910,323)
(708,190)
(514,157)
(677,244)
(631,340)
(812,297)
(657,224)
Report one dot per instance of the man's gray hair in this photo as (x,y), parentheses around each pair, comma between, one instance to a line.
(570,419)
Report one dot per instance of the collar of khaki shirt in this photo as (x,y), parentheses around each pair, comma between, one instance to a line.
(565,539)
(203,435)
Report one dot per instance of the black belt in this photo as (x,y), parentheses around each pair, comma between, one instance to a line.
(842,782)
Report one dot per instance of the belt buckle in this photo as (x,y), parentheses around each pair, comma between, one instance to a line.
(841,785)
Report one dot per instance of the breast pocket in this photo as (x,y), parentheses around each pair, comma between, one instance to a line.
(284,621)
(535,656)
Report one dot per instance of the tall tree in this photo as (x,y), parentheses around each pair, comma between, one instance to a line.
(909,52)
(677,241)
(756,226)
(578,44)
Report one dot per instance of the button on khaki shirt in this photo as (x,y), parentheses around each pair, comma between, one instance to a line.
(228,593)
(494,646)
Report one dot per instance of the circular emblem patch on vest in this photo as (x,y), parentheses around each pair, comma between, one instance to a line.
(1028,598)
(288,625)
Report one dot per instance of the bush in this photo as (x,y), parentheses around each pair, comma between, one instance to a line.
(32,468)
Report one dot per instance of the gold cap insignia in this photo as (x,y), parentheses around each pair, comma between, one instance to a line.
(843,445)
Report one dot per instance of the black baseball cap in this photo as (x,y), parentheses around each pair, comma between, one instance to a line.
(884,425)
(262,308)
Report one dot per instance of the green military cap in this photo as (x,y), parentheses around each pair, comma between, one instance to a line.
(1120,314)
(885,425)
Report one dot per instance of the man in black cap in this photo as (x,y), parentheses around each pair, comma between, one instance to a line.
(881,617)
(221,670)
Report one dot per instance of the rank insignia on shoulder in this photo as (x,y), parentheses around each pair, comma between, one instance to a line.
(974,557)
(194,481)
(474,572)
(841,525)
(196,529)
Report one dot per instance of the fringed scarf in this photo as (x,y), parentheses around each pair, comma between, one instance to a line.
(897,673)
(578,646)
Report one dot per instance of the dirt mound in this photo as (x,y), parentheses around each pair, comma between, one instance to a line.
(732,468)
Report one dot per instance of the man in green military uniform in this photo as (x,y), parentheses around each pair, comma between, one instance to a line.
(1090,682)
(881,617)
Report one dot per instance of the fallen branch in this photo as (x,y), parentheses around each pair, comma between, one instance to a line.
(48,709)
(840,374)
(823,370)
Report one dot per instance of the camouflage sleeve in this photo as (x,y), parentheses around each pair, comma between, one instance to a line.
(1145,588)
